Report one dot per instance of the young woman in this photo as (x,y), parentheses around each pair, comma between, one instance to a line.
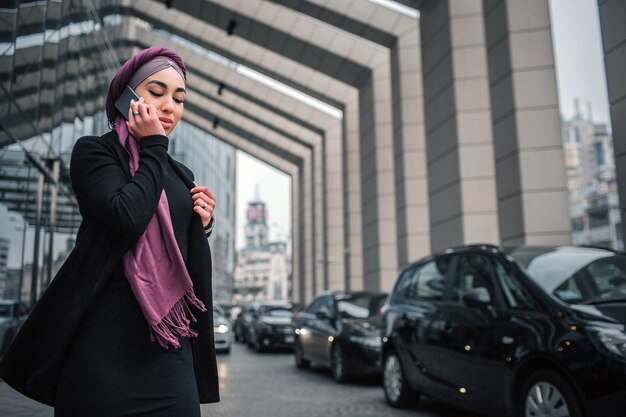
(125,328)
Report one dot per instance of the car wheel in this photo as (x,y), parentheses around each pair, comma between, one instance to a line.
(338,365)
(548,394)
(258,347)
(298,353)
(397,390)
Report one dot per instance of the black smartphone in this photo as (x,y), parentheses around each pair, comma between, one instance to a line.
(122,104)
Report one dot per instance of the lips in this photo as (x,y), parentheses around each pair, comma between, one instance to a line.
(166,122)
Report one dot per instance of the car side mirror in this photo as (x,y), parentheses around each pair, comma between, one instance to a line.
(477,297)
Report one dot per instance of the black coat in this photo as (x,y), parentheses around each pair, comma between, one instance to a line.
(34,359)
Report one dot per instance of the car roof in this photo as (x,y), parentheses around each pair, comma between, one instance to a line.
(350,294)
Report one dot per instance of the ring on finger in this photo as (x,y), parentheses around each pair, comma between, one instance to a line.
(135,113)
(204,205)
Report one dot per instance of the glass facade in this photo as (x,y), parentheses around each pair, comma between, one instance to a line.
(57,59)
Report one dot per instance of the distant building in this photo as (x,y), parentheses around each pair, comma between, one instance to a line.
(591,179)
(4,259)
(263,268)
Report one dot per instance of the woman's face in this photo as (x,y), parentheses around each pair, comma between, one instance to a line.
(165,90)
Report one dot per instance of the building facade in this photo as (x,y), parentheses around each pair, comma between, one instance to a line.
(591,179)
(263,267)
(4,271)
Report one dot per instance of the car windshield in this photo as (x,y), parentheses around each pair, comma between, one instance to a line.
(580,275)
(277,312)
(360,306)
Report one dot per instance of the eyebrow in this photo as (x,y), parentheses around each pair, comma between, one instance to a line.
(162,84)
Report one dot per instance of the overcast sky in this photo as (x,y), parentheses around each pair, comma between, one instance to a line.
(579,57)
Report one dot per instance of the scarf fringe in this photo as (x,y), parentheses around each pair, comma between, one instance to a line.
(176,322)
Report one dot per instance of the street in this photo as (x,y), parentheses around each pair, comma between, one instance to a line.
(269,385)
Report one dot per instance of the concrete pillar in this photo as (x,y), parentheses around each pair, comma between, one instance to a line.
(461,172)
(532,190)
(612,18)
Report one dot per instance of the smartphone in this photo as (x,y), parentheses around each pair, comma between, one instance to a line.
(122,104)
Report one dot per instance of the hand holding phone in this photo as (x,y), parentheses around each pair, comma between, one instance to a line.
(122,104)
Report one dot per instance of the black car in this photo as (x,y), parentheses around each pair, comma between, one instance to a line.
(271,326)
(241,323)
(472,326)
(340,330)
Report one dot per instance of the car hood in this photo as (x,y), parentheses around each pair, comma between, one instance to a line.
(362,327)
(275,320)
(612,312)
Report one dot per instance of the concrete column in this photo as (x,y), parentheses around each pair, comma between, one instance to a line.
(530,168)
(378,200)
(612,18)
(461,172)
(409,151)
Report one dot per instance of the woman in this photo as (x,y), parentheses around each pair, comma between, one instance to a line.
(125,328)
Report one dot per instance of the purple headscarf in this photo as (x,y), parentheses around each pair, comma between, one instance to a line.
(154,267)
(126,72)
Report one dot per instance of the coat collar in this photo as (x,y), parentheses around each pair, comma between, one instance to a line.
(122,155)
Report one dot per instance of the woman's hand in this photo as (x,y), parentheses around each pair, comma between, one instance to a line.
(145,123)
(203,203)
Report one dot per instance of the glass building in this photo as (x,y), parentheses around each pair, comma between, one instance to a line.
(57,59)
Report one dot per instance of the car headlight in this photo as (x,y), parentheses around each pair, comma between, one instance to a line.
(222,328)
(612,339)
(369,341)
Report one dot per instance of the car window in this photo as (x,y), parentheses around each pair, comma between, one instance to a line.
(516,295)
(321,304)
(580,275)
(424,282)
(472,271)
(276,312)
(360,307)
(603,280)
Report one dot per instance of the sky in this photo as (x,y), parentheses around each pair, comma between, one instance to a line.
(579,57)
(580,73)
(274,187)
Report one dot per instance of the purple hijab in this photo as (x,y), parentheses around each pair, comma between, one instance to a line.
(154,267)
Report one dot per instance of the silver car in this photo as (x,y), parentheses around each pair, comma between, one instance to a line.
(222,330)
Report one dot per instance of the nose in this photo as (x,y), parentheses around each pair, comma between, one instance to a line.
(167,105)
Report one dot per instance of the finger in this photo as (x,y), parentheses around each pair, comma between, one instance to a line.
(131,109)
(143,109)
(203,196)
(203,213)
(204,189)
(206,205)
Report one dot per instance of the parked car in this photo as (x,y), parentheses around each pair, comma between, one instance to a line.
(243,321)
(272,326)
(340,330)
(542,336)
(222,330)
(12,316)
